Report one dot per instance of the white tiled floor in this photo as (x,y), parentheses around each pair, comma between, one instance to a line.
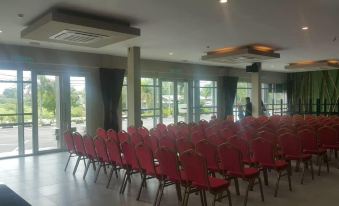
(41,181)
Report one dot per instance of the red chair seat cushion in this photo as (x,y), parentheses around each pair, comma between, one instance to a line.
(335,146)
(248,173)
(216,184)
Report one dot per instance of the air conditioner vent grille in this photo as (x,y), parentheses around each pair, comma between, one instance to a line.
(79,37)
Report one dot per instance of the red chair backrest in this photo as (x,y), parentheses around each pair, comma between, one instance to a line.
(130,156)
(101,133)
(68,137)
(152,142)
(227,133)
(143,131)
(123,136)
(136,138)
(195,167)
(290,144)
(216,139)
(327,136)
(167,142)
(169,164)
(161,127)
(197,136)
(263,151)
(89,147)
(145,159)
(114,152)
(183,145)
(308,139)
(231,159)
(112,135)
(209,152)
(242,146)
(131,130)
(79,144)
(269,136)
(101,150)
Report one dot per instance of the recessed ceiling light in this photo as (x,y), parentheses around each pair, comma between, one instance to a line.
(223,1)
(171,53)
(304,28)
(0,31)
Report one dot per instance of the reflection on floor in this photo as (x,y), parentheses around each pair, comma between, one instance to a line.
(41,181)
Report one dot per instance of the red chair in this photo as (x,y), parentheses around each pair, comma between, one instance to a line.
(161,128)
(195,167)
(167,142)
(79,149)
(233,168)
(90,153)
(101,133)
(227,133)
(102,156)
(132,130)
(169,166)
(310,146)
(112,135)
(242,145)
(148,168)
(132,165)
(68,138)
(216,139)
(136,138)
(123,137)
(292,150)
(114,155)
(328,138)
(143,131)
(209,152)
(268,135)
(183,144)
(264,155)
(197,136)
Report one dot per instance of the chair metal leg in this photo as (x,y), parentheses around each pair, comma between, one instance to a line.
(76,165)
(124,181)
(312,172)
(178,189)
(289,179)
(319,162)
(261,190)
(265,176)
(229,197)
(69,157)
(247,190)
(236,183)
(277,184)
(303,173)
(327,164)
(97,175)
(86,169)
(187,194)
(156,199)
(141,185)
(110,177)
(204,197)
(161,193)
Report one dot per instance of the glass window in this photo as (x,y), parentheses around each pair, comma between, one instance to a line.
(244,89)
(124,105)
(206,104)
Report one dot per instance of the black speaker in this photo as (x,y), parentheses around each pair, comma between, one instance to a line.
(255,67)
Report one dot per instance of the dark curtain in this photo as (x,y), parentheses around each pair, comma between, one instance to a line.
(111,86)
(230,90)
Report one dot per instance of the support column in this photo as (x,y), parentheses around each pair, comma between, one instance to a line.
(256,93)
(133,87)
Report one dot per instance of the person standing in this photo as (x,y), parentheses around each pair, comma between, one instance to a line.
(248,111)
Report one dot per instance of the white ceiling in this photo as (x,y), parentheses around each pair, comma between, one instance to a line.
(188,27)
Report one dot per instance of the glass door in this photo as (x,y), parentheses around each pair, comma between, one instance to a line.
(167,102)
(174,101)
(49,128)
(182,103)
(78,103)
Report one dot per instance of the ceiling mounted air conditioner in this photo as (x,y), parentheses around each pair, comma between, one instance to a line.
(244,54)
(74,28)
(313,65)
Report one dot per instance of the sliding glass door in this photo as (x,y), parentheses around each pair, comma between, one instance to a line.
(175,101)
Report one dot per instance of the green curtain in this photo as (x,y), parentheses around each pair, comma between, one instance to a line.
(230,90)
(310,86)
